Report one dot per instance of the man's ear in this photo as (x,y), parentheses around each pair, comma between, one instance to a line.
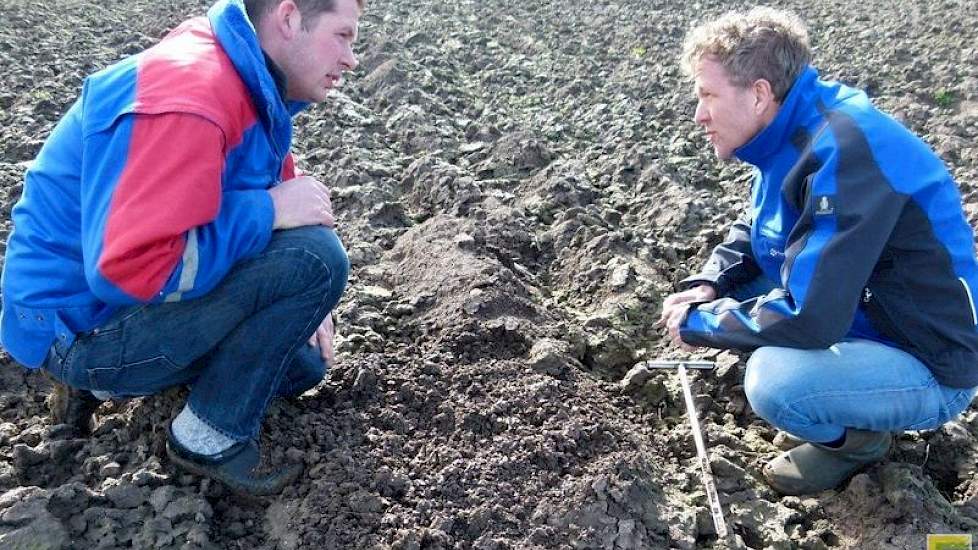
(288,19)
(763,95)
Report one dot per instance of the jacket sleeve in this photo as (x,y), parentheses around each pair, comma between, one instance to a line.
(731,263)
(849,212)
(156,224)
(290,169)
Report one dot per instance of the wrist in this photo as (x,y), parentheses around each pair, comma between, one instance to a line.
(707,292)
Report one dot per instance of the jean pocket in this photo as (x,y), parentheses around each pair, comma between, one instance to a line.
(143,377)
(96,349)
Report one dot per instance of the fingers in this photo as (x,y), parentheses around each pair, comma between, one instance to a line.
(679,302)
(670,310)
(676,339)
(672,320)
(327,352)
(675,319)
(326,341)
(328,219)
(325,206)
(323,337)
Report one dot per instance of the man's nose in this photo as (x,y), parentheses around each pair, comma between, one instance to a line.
(700,115)
(350,62)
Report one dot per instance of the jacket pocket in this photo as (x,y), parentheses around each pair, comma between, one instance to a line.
(971,300)
(880,316)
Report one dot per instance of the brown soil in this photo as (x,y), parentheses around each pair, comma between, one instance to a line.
(519,185)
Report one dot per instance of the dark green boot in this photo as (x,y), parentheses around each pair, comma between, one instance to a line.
(813,467)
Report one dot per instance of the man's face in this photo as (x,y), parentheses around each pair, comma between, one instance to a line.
(317,58)
(727,112)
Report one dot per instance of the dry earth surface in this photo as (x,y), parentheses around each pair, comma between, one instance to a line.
(519,185)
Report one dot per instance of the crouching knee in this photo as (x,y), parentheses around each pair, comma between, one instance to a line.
(770,383)
(328,263)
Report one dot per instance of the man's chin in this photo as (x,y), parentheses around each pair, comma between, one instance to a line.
(320,96)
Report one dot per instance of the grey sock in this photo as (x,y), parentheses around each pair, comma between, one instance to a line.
(196,436)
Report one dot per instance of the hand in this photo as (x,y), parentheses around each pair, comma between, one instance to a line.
(323,337)
(675,308)
(301,201)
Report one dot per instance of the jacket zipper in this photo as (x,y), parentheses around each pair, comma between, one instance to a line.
(971,300)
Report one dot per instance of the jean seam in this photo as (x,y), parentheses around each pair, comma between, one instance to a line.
(66,360)
(94,370)
(132,314)
(63,366)
(953,404)
(792,406)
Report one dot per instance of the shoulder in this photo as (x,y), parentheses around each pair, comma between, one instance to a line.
(190,72)
(867,142)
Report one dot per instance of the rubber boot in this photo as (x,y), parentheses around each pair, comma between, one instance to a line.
(813,467)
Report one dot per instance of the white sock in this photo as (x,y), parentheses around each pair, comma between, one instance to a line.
(101,395)
(196,435)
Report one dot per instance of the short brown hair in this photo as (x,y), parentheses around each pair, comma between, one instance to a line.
(310,9)
(761,43)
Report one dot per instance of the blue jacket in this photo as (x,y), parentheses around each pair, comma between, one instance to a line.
(152,185)
(862,226)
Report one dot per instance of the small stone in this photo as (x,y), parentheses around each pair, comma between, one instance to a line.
(472,306)
(621,276)
(636,377)
(25,456)
(472,147)
(402,310)
(547,356)
(295,455)
(365,381)
(161,497)
(147,478)
(464,241)
(112,469)
(374,295)
(126,496)
(62,449)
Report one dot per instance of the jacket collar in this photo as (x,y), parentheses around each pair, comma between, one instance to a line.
(238,37)
(773,136)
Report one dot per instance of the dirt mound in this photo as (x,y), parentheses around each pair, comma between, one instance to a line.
(519,185)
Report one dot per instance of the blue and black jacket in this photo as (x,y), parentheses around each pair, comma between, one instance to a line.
(861,225)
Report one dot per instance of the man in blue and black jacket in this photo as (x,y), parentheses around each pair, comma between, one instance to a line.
(851,279)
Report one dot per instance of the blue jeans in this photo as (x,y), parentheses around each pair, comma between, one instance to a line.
(815,394)
(237,347)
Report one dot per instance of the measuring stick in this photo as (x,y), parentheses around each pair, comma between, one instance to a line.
(712,497)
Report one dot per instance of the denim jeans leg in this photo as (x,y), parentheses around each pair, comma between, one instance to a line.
(246,368)
(235,338)
(131,354)
(306,370)
(817,394)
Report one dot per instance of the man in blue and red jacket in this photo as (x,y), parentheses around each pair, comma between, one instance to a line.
(164,237)
(851,279)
